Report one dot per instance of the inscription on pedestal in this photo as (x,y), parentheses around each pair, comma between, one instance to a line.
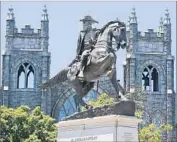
(128,136)
(85,139)
(91,138)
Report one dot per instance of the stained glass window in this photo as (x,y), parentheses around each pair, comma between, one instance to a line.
(69,107)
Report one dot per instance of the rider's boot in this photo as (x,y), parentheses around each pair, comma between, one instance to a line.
(81,75)
(82,67)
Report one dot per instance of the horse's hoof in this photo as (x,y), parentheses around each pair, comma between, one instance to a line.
(88,107)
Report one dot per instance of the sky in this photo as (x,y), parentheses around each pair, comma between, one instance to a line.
(64,24)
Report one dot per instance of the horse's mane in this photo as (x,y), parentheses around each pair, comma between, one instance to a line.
(109,23)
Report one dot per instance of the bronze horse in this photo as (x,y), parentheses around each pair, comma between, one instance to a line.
(101,62)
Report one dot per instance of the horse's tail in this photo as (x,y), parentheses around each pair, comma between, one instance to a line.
(60,77)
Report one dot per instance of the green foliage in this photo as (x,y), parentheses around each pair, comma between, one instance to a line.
(102,100)
(166,127)
(151,133)
(22,125)
(139,114)
(33,138)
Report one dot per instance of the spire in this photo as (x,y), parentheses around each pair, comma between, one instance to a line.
(133,18)
(160,30)
(10,14)
(167,17)
(45,14)
(128,24)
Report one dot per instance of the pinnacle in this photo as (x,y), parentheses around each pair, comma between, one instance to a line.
(133,18)
(167,17)
(45,14)
(10,14)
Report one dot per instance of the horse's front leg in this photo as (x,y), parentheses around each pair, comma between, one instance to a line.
(113,75)
(112,70)
(116,86)
(114,82)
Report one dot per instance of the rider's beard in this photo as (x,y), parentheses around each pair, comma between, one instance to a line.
(87,27)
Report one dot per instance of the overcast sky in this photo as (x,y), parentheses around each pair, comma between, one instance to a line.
(65,26)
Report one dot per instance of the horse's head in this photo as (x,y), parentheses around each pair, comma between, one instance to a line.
(113,30)
(119,34)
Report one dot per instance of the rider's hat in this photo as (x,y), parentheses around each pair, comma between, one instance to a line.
(89,18)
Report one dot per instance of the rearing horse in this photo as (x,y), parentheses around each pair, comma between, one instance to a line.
(101,62)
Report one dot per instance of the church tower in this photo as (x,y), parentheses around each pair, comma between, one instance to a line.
(26,62)
(149,67)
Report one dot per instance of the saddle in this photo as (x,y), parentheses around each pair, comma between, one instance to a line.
(76,71)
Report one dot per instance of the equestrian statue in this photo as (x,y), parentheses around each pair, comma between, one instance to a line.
(96,57)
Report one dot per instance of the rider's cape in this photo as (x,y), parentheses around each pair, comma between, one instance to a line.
(80,43)
(80,46)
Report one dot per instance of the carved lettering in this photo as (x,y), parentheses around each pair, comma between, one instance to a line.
(85,139)
(128,136)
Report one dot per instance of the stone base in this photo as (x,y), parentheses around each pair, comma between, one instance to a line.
(112,128)
(110,123)
(119,108)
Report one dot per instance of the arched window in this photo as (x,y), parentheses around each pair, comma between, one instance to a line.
(25,77)
(68,108)
(30,77)
(150,79)
(70,105)
(155,79)
(21,79)
(145,79)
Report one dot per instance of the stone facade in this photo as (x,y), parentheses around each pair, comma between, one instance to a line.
(149,66)
(148,55)
(26,63)
(0,67)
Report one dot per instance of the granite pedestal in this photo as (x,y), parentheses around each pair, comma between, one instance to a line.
(103,124)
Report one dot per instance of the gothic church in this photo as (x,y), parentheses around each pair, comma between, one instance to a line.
(149,65)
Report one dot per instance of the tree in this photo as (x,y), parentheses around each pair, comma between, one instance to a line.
(23,125)
(151,133)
